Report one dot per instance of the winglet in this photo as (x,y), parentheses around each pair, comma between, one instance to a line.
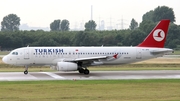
(157,36)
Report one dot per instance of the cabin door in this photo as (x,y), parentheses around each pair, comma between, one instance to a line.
(138,54)
(26,54)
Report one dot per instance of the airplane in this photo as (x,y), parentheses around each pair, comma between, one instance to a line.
(80,58)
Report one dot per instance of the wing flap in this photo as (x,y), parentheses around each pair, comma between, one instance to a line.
(90,58)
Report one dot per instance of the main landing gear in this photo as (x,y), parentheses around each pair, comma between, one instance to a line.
(26,70)
(85,71)
(81,69)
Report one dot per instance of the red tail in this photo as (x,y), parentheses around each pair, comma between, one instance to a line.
(157,36)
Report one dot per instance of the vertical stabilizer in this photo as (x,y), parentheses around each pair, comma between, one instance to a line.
(157,36)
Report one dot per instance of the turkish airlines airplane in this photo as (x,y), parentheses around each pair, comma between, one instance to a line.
(79,58)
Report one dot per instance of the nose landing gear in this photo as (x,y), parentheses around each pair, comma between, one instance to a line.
(26,70)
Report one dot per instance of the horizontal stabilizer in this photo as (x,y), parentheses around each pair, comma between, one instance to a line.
(162,51)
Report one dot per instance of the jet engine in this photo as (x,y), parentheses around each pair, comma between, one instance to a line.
(66,66)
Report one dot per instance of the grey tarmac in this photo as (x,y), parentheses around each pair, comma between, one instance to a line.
(94,75)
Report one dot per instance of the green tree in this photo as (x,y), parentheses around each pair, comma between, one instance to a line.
(173,43)
(119,39)
(147,26)
(159,13)
(10,22)
(109,40)
(90,25)
(136,37)
(77,40)
(65,25)
(133,24)
(163,12)
(148,16)
(173,38)
(55,25)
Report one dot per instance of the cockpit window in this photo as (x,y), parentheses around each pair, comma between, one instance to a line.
(14,53)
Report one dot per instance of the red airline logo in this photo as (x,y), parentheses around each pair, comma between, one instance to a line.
(158,35)
(115,56)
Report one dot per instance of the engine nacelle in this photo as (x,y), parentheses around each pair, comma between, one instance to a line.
(67,66)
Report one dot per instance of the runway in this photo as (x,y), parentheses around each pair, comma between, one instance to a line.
(94,75)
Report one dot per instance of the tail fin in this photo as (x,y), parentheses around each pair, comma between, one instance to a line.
(157,36)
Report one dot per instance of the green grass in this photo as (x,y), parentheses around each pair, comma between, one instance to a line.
(176,52)
(4,52)
(93,90)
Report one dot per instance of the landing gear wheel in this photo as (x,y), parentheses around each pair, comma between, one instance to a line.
(25,72)
(81,70)
(86,71)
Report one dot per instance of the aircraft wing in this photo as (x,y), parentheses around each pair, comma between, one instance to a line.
(87,59)
(111,57)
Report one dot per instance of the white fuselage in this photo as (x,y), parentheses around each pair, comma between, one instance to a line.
(51,55)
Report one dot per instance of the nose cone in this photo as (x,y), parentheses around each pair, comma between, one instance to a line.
(4,59)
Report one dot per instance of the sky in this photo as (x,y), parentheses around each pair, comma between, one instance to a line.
(115,13)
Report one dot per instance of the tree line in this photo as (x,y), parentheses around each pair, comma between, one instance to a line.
(11,37)
(11,40)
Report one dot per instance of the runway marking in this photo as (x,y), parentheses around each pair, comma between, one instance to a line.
(53,75)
